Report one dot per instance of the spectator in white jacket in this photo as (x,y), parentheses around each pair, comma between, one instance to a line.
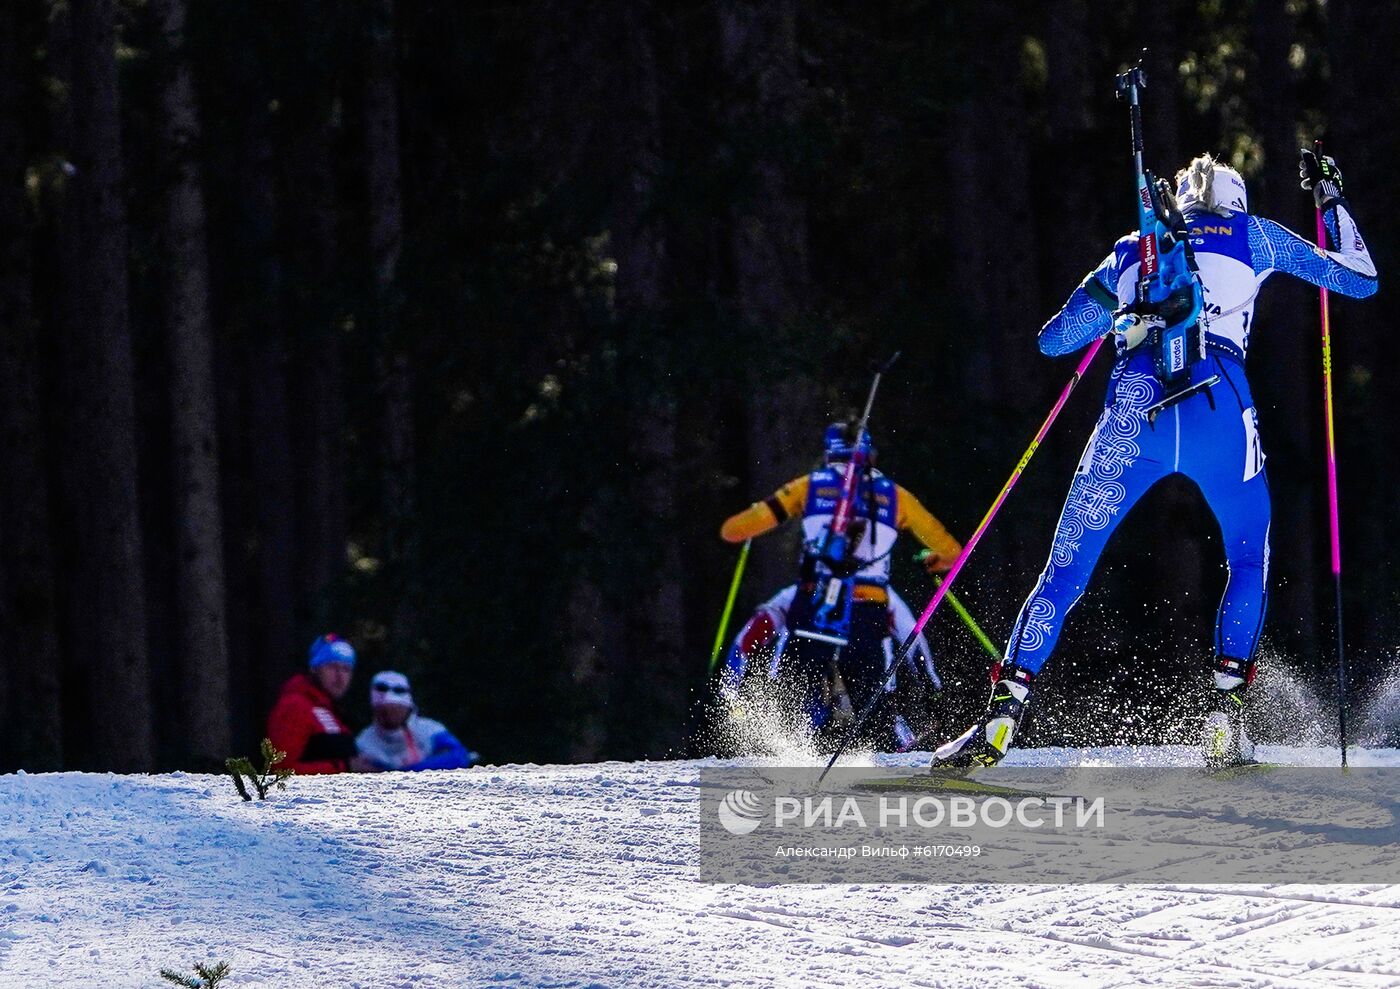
(400,738)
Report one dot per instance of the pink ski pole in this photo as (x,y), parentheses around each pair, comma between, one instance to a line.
(958,564)
(1332,486)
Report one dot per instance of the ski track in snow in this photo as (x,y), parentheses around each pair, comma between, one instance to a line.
(585,876)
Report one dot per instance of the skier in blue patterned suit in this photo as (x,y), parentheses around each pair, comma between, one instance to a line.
(1211,436)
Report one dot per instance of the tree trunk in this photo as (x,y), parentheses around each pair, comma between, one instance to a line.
(255,432)
(274,474)
(592,638)
(314,305)
(267,436)
(107,596)
(656,693)
(770,257)
(30,668)
(392,364)
(570,50)
(202,648)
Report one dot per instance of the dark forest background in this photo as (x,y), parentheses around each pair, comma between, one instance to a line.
(459,327)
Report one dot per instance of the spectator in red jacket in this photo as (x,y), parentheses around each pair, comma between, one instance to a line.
(304,722)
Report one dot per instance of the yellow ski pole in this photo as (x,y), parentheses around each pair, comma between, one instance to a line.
(964,614)
(729,605)
(972,625)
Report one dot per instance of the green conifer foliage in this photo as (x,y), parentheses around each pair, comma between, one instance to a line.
(241,768)
(205,976)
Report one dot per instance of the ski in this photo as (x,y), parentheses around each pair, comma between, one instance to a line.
(1241,769)
(944,781)
(969,782)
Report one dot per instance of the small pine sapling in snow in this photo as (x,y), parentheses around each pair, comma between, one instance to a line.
(241,767)
(205,976)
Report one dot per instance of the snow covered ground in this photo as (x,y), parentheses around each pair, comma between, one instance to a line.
(585,876)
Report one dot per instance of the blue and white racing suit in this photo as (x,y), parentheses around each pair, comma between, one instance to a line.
(1211,437)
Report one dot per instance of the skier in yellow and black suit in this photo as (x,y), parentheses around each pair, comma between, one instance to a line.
(882,510)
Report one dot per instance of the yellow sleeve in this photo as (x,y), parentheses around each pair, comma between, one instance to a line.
(915,518)
(768,514)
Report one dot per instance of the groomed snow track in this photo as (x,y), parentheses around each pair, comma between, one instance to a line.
(585,876)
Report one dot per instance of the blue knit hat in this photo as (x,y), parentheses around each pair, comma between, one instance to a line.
(330,648)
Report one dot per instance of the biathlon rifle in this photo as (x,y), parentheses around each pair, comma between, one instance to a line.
(1168,296)
(834,592)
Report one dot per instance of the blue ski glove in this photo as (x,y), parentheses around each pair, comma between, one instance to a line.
(1321,176)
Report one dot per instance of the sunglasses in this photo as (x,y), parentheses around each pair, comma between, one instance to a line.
(384,688)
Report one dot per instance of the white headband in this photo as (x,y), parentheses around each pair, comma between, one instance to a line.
(389,688)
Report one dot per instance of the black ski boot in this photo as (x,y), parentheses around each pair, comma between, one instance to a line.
(986,743)
(1224,740)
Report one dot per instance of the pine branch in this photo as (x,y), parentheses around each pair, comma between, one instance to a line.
(241,767)
(236,768)
(212,974)
(205,977)
(170,975)
(270,777)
